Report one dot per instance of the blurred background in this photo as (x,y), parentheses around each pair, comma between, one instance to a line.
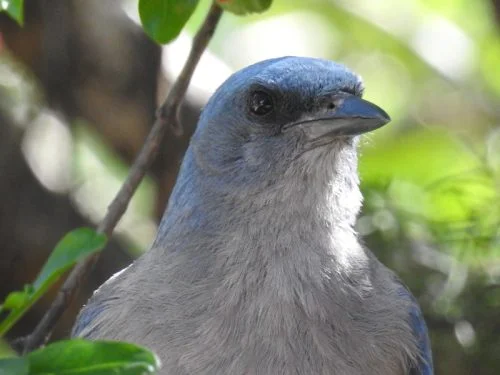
(80,82)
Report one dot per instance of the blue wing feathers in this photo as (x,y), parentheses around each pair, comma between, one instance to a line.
(417,322)
(420,331)
(86,317)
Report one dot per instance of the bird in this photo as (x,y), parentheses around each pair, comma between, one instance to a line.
(257,268)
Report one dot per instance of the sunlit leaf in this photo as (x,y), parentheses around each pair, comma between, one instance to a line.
(15,300)
(14,8)
(244,6)
(163,20)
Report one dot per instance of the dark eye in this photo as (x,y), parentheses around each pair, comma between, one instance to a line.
(261,103)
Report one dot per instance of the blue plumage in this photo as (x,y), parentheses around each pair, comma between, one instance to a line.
(86,318)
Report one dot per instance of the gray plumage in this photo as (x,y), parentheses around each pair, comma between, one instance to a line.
(257,268)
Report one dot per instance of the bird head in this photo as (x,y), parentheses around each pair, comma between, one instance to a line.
(278,120)
(273,114)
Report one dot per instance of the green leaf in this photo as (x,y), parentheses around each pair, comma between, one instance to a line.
(84,357)
(15,300)
(14,366)
(241,7)
(14,8)
(163,20)
(74,246)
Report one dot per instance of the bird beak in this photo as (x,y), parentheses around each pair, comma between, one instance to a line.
(350,116)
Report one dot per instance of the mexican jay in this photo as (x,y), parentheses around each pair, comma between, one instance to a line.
(257,268)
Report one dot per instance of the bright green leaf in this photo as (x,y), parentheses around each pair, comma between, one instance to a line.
(84,357)
(163,20)
(14,366)
(245,6)
(16,300)
(14,8)
(74,246)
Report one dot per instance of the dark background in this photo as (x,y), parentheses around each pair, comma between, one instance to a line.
(80,82)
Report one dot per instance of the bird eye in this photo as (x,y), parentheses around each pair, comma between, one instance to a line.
(261,103)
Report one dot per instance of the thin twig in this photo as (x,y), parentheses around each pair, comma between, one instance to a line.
(167,115)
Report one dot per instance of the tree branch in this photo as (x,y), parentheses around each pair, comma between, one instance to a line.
(167,115)
(496,8)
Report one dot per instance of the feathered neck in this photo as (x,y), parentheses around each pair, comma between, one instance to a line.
(306,216)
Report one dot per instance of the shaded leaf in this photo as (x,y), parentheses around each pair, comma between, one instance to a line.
(74,246)
(14,8)
(244,6)
(163,20)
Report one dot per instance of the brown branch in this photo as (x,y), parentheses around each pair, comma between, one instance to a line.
(167,115)
(496,9)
